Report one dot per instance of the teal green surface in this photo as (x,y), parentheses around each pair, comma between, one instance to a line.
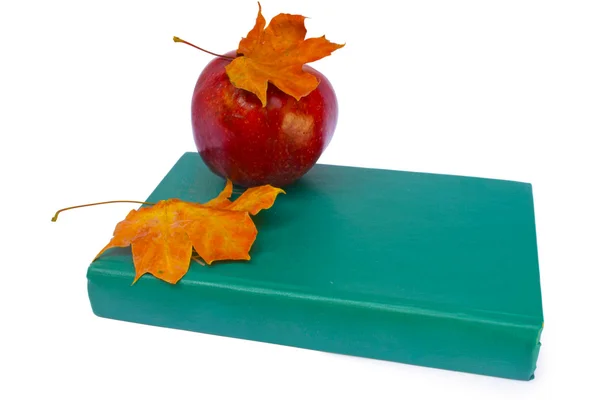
(433,270)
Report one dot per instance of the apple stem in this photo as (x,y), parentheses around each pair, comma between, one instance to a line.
(96,204)
(178,40)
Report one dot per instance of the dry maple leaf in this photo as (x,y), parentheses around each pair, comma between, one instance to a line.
(162,236)
(276,54)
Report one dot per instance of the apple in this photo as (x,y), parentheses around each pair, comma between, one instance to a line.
(253,145)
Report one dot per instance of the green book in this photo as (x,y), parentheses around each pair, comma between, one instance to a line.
(432,270)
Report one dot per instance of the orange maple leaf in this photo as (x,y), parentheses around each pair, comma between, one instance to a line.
(162,236)
(276,54)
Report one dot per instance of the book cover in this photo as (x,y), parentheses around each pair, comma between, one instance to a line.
(426,269)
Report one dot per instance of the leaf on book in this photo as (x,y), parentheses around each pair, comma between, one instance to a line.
(163,236)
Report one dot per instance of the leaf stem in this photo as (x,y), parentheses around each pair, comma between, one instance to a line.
(199,261)
(178,40)
(97,204)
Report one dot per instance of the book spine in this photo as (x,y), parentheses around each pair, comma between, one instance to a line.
(401,334)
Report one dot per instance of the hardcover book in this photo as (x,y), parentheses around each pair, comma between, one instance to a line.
(426,269)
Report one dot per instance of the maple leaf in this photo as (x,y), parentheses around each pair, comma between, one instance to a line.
(276,54)
(162,236)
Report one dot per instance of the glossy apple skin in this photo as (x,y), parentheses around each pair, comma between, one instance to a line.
(253,145)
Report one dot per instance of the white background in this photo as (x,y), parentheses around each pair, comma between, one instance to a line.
(94,105)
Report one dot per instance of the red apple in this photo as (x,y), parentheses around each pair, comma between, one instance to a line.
(253,145)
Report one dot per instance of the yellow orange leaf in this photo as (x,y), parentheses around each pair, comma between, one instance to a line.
(222,199)
(162,236)
(256,199)
(221,234)
(276,55)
